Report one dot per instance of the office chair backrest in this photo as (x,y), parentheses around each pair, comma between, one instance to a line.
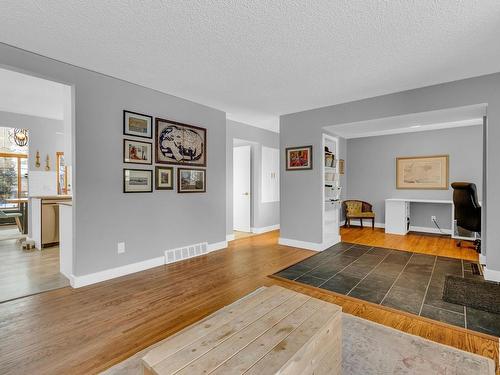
(467,208)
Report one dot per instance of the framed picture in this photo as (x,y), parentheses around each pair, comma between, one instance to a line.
(177,143)
(137,152)
(164,178)
(137,181)
(137,124)
(422,172)
(299,158)
(191,180)
(341,166)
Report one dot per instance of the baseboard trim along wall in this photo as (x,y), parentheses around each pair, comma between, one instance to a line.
(229,237)
(491,275)
(269,228)
(430,230)
(308,245)
(97,277)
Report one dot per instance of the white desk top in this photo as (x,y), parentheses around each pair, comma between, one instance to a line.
(443,201)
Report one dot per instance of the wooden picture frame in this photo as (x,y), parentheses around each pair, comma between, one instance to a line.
(422,172)
(138,175)
(160,183)
(143,153)
(180,144)
(137,124)
(299,158)
(182,185)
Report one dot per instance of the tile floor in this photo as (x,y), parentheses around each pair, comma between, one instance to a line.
(406,281)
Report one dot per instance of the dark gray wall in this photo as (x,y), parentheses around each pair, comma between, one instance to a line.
(301,192)
(148,223)
(372,168)
(263,214)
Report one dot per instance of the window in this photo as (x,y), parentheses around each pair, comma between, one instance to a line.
(13,169)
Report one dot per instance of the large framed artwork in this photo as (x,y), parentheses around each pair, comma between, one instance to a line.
(137,124)
(422,172)
(191,180)
(299,158)
(137,181)
(137,152)
(177,143)
(164,178)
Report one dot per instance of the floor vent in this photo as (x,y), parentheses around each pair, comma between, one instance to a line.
(186,252)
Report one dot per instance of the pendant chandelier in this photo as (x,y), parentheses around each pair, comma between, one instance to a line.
(19,136)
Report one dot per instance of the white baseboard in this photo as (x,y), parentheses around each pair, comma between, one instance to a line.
(308,245)
(482,259)
(97,277)
(216,246)
(265,229)
(430,230)
(229,237)
(491,275)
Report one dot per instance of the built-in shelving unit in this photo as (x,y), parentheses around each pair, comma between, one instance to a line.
(331,190)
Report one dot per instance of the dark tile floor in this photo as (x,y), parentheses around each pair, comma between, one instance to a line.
(402,280)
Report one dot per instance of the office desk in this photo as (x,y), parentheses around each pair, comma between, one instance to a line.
(397,213)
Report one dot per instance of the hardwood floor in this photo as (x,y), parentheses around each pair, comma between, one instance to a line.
(426,244)
(87,330)
(25,272)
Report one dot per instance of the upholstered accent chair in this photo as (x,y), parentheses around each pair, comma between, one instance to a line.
(355,209)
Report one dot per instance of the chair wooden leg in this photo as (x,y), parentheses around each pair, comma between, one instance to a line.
(348,222)
(373,223)
(18,222)
(361,221)
(345,224)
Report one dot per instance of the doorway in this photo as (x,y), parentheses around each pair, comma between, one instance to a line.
(242,180)
(36,122)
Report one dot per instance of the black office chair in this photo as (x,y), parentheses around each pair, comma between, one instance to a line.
(467,209)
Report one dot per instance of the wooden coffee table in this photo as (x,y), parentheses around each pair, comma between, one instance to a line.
(272,330)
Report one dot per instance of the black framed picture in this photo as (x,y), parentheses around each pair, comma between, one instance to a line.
(137,152)
(137,124)
(190,180)
(177,143)
(299,158)
(137,180)
(164,178)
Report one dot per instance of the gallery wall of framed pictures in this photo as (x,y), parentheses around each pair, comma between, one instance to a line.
(173,143)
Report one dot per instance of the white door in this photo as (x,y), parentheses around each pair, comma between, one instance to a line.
(241,188)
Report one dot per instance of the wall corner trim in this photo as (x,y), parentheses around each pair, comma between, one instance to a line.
(308,245)
(97,277)
(269,228)
(491,275)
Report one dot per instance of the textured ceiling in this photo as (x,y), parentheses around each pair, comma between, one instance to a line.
(259,59)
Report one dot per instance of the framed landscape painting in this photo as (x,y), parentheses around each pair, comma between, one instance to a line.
(191,180)
(422,172)
(137,181)
(299,158)
(177,143)
(137,124)
(137,152)
(164,179)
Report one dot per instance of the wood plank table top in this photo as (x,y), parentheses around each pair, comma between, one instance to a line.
(272,330)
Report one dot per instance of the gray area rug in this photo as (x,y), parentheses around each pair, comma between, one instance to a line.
(370,348)
(479,294)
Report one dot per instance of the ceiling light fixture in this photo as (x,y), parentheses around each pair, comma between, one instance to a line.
(19,136)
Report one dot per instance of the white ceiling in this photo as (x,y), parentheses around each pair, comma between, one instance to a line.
(416,122)
(28,95)
(259,59)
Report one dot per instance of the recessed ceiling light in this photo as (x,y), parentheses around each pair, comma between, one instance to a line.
(415,126)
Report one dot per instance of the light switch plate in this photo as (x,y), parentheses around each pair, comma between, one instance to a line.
(121,247)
